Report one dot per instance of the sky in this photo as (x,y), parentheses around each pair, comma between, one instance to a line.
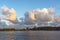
(38,11)
(22,6)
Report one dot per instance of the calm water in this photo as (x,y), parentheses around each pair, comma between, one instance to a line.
(31,35)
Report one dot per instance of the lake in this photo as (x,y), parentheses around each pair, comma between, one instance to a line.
(30,35)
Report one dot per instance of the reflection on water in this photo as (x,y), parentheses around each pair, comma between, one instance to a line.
(6,36)
(30,35)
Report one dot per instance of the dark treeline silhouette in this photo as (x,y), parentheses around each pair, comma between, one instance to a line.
(48,28)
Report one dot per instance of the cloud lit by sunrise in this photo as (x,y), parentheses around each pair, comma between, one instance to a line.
(44,15)
(40,15)
(10,14)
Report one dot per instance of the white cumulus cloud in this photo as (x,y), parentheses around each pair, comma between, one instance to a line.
(39,15)
(10,14)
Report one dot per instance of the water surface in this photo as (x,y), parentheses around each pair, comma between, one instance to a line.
(30,35)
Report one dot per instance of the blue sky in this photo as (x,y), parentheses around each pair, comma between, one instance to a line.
(22,6)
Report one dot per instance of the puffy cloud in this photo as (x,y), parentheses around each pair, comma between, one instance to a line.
(36,16)
(39,15)
(9,14)
(12,15)
(29,17)
(4,10)
(57,19)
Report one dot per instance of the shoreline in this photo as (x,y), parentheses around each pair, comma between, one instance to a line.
(33,29)
(27,30)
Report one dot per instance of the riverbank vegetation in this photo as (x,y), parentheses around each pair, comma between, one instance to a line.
(33,29)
